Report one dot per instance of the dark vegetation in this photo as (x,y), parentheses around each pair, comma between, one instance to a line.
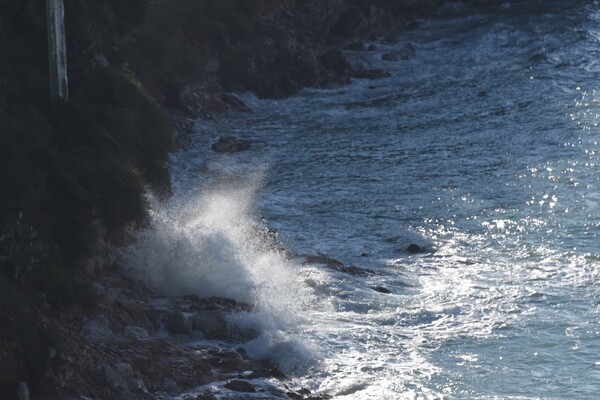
(69,173)
(74,173)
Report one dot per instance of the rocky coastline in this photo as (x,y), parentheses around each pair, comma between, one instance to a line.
(133,342)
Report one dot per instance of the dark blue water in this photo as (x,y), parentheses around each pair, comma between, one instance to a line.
(483,149)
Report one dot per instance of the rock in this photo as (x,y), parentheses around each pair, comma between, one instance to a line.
(321,259)
(179,323)
(98,330)
(415,248)
(272,372)
(118,375)
(393,56)
(335,62)
(235,103)
(136,333)
(230,144)
(412,25)
(381,289)
(240,386)
(300,394)
(105,294)
(222,303)
(212,324)
(338,266)
(370,74)
(228,360)
(358,271)
(288,72)
(206,396)
(276,85)
(371,47)
(406,52)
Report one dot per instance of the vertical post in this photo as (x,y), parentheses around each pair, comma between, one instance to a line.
(57,50)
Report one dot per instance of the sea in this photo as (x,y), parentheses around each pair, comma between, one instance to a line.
(482,151)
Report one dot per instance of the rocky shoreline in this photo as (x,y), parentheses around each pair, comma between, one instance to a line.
(286,46)
(139,344)
(135,343)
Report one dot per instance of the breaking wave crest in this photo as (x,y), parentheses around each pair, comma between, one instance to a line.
(210,243)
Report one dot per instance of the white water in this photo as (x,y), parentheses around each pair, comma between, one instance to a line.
(483,149)
(210,243)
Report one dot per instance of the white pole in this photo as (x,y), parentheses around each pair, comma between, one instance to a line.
(57,50)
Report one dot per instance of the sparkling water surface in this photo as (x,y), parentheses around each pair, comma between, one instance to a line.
(483,149)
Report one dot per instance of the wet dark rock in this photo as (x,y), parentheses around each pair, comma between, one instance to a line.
(276,85)
(230,144)
(211,323)
(272,372)
(305,394)
(335,62)
(228,360)
(287,74)
(222,303)
(206,100)
(235,103)
(118,375)
(179,323)
(371,47)
(356,46)
(240,386)
(136,333)
(242,335)
(406,52)
(392,56)
(98,330)
(415,248)
(381,289)
(357,271)
(412,25)
(206,396)
(320,259)
(370,74)
(338,266)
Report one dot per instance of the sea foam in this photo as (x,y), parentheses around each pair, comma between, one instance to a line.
(211,243)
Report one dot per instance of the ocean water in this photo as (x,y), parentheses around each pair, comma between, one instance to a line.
(483,149)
